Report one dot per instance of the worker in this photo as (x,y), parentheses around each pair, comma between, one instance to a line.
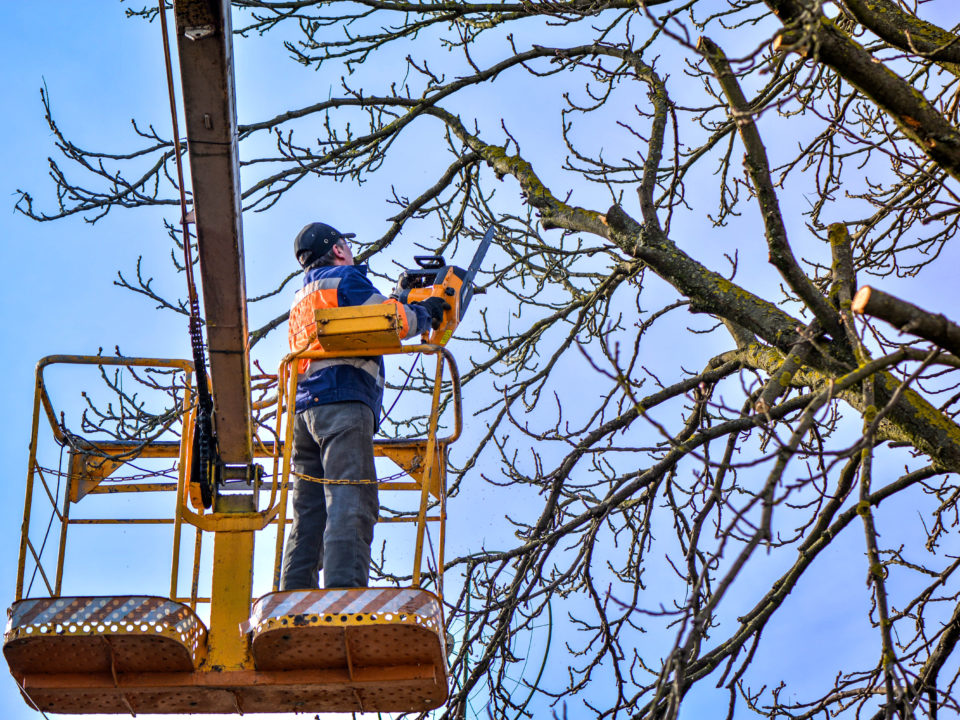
(337,413)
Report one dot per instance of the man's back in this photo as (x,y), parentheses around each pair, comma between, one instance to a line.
(342,379)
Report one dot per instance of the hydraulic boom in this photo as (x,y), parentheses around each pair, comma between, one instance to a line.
(205,49)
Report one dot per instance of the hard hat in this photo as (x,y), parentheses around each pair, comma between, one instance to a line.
(315,241)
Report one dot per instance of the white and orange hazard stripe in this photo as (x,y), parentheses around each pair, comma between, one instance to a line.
(379,602)
(120,610)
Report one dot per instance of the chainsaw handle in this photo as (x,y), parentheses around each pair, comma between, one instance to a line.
(446,292)
(430,262)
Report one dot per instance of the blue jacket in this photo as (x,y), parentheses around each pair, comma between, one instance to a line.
(335,380)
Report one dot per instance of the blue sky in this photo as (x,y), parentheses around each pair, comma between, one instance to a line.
(58,294)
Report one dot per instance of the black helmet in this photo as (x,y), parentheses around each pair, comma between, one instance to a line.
(315,241)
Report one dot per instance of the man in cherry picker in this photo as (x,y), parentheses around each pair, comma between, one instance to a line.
(337,413)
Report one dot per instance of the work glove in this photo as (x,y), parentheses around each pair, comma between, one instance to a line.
(435,307)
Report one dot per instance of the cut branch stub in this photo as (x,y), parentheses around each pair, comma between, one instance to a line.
(908,318)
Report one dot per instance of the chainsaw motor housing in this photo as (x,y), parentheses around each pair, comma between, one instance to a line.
(434,278)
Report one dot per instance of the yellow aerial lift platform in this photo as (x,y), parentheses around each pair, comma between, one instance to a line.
(364,649)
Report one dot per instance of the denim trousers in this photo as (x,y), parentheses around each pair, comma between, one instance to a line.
(332,522)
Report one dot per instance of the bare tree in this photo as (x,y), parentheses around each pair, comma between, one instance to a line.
(683,435)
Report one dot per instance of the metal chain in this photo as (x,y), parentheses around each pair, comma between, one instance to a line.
(205,441)
(170,474)
(335,481)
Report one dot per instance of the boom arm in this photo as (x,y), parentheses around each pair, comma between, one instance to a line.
(205,48)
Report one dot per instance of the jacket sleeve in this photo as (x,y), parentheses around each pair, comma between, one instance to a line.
(356,289)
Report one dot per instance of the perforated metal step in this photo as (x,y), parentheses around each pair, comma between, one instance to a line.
(388,644)
(57,647)
(314,651)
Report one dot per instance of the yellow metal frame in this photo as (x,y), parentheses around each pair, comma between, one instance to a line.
(86,479)
(369,333)
(424,460)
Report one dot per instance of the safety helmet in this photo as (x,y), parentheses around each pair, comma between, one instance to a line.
(315,241)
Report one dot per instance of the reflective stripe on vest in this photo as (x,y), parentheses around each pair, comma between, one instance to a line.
(302,328)
(371,366)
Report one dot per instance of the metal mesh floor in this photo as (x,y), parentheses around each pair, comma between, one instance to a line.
(318,651)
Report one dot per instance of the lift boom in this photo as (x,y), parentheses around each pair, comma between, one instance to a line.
(205,48)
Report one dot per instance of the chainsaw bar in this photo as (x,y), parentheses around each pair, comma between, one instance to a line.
(474,267)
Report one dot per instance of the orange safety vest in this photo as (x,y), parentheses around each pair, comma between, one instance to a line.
(324,292)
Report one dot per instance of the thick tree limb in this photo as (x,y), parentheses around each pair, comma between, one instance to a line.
(807,31)
(906,31)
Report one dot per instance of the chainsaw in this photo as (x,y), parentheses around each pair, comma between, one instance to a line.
(434,278)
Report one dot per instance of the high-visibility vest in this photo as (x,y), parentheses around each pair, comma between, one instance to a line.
(322,290)
(335,379)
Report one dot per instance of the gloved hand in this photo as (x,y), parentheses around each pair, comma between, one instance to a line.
(436,307)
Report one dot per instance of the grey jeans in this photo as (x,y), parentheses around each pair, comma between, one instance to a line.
(332,522)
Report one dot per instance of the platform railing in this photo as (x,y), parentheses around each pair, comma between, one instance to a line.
(92,461)
(424,459)
(89,463)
